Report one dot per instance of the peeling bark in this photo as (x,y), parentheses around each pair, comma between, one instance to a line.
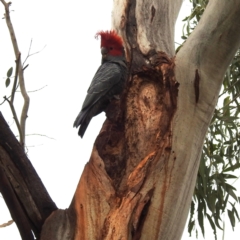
(145,160)
(139,180)
(146,25)
(115,191)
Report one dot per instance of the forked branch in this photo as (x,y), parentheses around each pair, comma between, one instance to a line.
(20,71)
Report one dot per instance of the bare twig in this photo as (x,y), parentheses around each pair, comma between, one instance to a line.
(37,89)
(4,100)
(33,146)
(15,78)
(20,72)
(15,118)
(6,224)
(25,67)
(28,52)
(19,91)
(29,55)
(40,135)
(37,134)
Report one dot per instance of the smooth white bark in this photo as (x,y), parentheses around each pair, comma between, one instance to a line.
(154,23)
(157,188)
(209,49)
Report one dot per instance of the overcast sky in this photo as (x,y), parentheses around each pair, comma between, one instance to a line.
(63,32)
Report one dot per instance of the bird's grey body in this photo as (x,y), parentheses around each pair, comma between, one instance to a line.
(108,81)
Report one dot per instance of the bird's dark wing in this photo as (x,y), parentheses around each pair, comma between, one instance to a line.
(108,75)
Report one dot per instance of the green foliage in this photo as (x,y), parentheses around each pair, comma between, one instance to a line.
(9,74)
(214,193)
(7,82)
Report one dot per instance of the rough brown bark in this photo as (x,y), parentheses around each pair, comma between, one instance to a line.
(134,149)
(139,181)
(22,189)
(13,204)
(115,190)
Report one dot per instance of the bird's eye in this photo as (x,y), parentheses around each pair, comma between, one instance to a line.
(111,48)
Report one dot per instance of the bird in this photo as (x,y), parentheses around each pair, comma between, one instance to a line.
(107,83)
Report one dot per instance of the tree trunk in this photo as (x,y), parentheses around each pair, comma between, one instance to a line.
(140,178)
(139,181)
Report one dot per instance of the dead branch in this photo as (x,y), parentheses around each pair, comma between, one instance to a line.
(20,72)
(6,224)
(31,54)
(14,88)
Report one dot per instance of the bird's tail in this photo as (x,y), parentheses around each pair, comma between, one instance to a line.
(83,127)
(85,116)
(82,120)
(79,119)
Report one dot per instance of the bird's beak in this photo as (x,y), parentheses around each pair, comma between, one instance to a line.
(104,52)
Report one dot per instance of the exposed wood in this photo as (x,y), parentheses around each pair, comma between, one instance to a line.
(145,165)
(115,190)
(139,181)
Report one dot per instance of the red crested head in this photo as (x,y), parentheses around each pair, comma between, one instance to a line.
(112,42)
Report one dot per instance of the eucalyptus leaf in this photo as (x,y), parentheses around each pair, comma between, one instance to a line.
(212,225)
(7,82)
(9,72)
(232,218)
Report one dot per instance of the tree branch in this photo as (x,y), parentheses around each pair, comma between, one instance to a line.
(15,117)
(12,99)
(209,50)
(26,184)
(21,77)
(13,204)
(6,224)
(14,88)
(211,47)
(29,55)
